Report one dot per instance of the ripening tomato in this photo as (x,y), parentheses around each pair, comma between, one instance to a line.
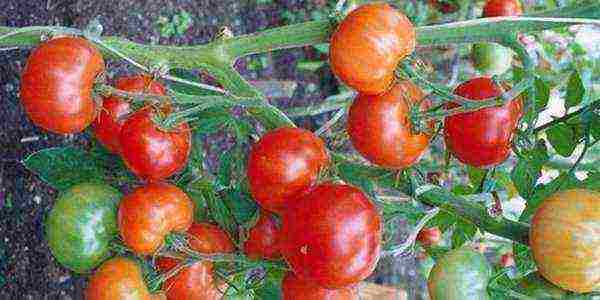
(368,45)
(151,212)
(501,8)
(82,224)
(107,126)
(284,163)
(565,240)
(150,152)
(491,59)
(263,238)
(119,278)
(332,236)
(57,83)
(482,138)
(460,274)
(429,236)
(507,260)
(445,6)
(380,129)
(295,288)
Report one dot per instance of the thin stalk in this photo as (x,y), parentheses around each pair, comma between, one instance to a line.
(595,104)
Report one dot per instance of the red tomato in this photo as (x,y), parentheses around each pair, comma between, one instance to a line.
(208,238)
(295,288)
(284,163)
(107,126)
(500,8)
(153,153)
(151,212)
(429,236)
(507,260)
(263,238)
(482,138)
(380,129)
(445,6)
(57,83)
(368,45)
(332,236)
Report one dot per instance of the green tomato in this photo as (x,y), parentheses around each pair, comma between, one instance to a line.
(462,274)
(491,59)
(81,225)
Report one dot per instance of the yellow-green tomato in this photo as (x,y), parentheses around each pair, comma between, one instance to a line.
(491,59)
(462,274)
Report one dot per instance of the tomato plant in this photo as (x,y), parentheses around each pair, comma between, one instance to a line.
(295,288)
(263,238)
(460,274)
(119,278)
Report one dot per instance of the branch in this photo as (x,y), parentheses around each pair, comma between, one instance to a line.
(595,104)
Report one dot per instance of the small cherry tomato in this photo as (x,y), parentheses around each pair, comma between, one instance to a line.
(263,238)
(429,236)
(491,59)
(107,126)
(460,274)
(57,83)
(150,152)
(295,288)
(380,129)
(208,238)
(445,6)
(284,163)
(501,8)
(507,260)
(368,45)
(482,138)
(151,212)
(119,278)
(332,236)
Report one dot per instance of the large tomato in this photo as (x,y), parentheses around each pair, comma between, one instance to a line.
(81,225)
(153,153)
(119,278)
(482,138)
(368,45)
(151,212)
(263,238)
(107,126)
(284,163)
(332,236)
(565,239)
(57,83)
(295,288)
(380,129)
(501,8)
(429,236)
(461,274)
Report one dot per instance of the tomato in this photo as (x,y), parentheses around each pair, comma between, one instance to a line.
(332,236)
(537,287)
(208,238)
(57,83)
(119,278)
(107,126)
(429,236)
(150,152)
(460,274)
(507,260)
(565,240)
(81,225)
(151,212)
(445,6)
(501,8)
(482,138)
(284,163)
(295,288)
(263,238)
(491,59)
(368,45)
(380,128)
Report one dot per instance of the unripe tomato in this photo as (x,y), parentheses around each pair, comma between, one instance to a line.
(429,236)
(482,138)
(295,288)
(491,59)
(150,152)
(151,212)
(332,236)
(537,287)
(119,278)
(565,240)
(502,8)
(380,129)
(461,274)
(507,260)
(368,45)
(107,126)
(57,83)
(263,238)
(445,6)
(82,224)
(284,163)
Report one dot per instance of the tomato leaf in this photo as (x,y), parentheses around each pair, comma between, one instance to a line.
(563,138)
(219,211)
(542,93)
(365,177)
(575,90)
(562,182)
(463,232)
(241,205)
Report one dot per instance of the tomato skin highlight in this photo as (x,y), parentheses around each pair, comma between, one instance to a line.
(368,45)
(501,8)
(332,236)
(295,288)
(283,164)
(151,212)
(82,224)
(107,127)
(429,236)
(461,274)
(380,130)
(482,138)
(152,153)
(263,238)
(57,83)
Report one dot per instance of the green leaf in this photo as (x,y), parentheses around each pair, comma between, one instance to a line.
(64,167)
(524,177)
(563,182)
(322,48)
(595,126)
(463,232)
(241,205)
(187,89)
(211,121)
(365,177)
(575,90)
(476,175)
(542,94)
(271,285)
(563,138)
(219,211)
